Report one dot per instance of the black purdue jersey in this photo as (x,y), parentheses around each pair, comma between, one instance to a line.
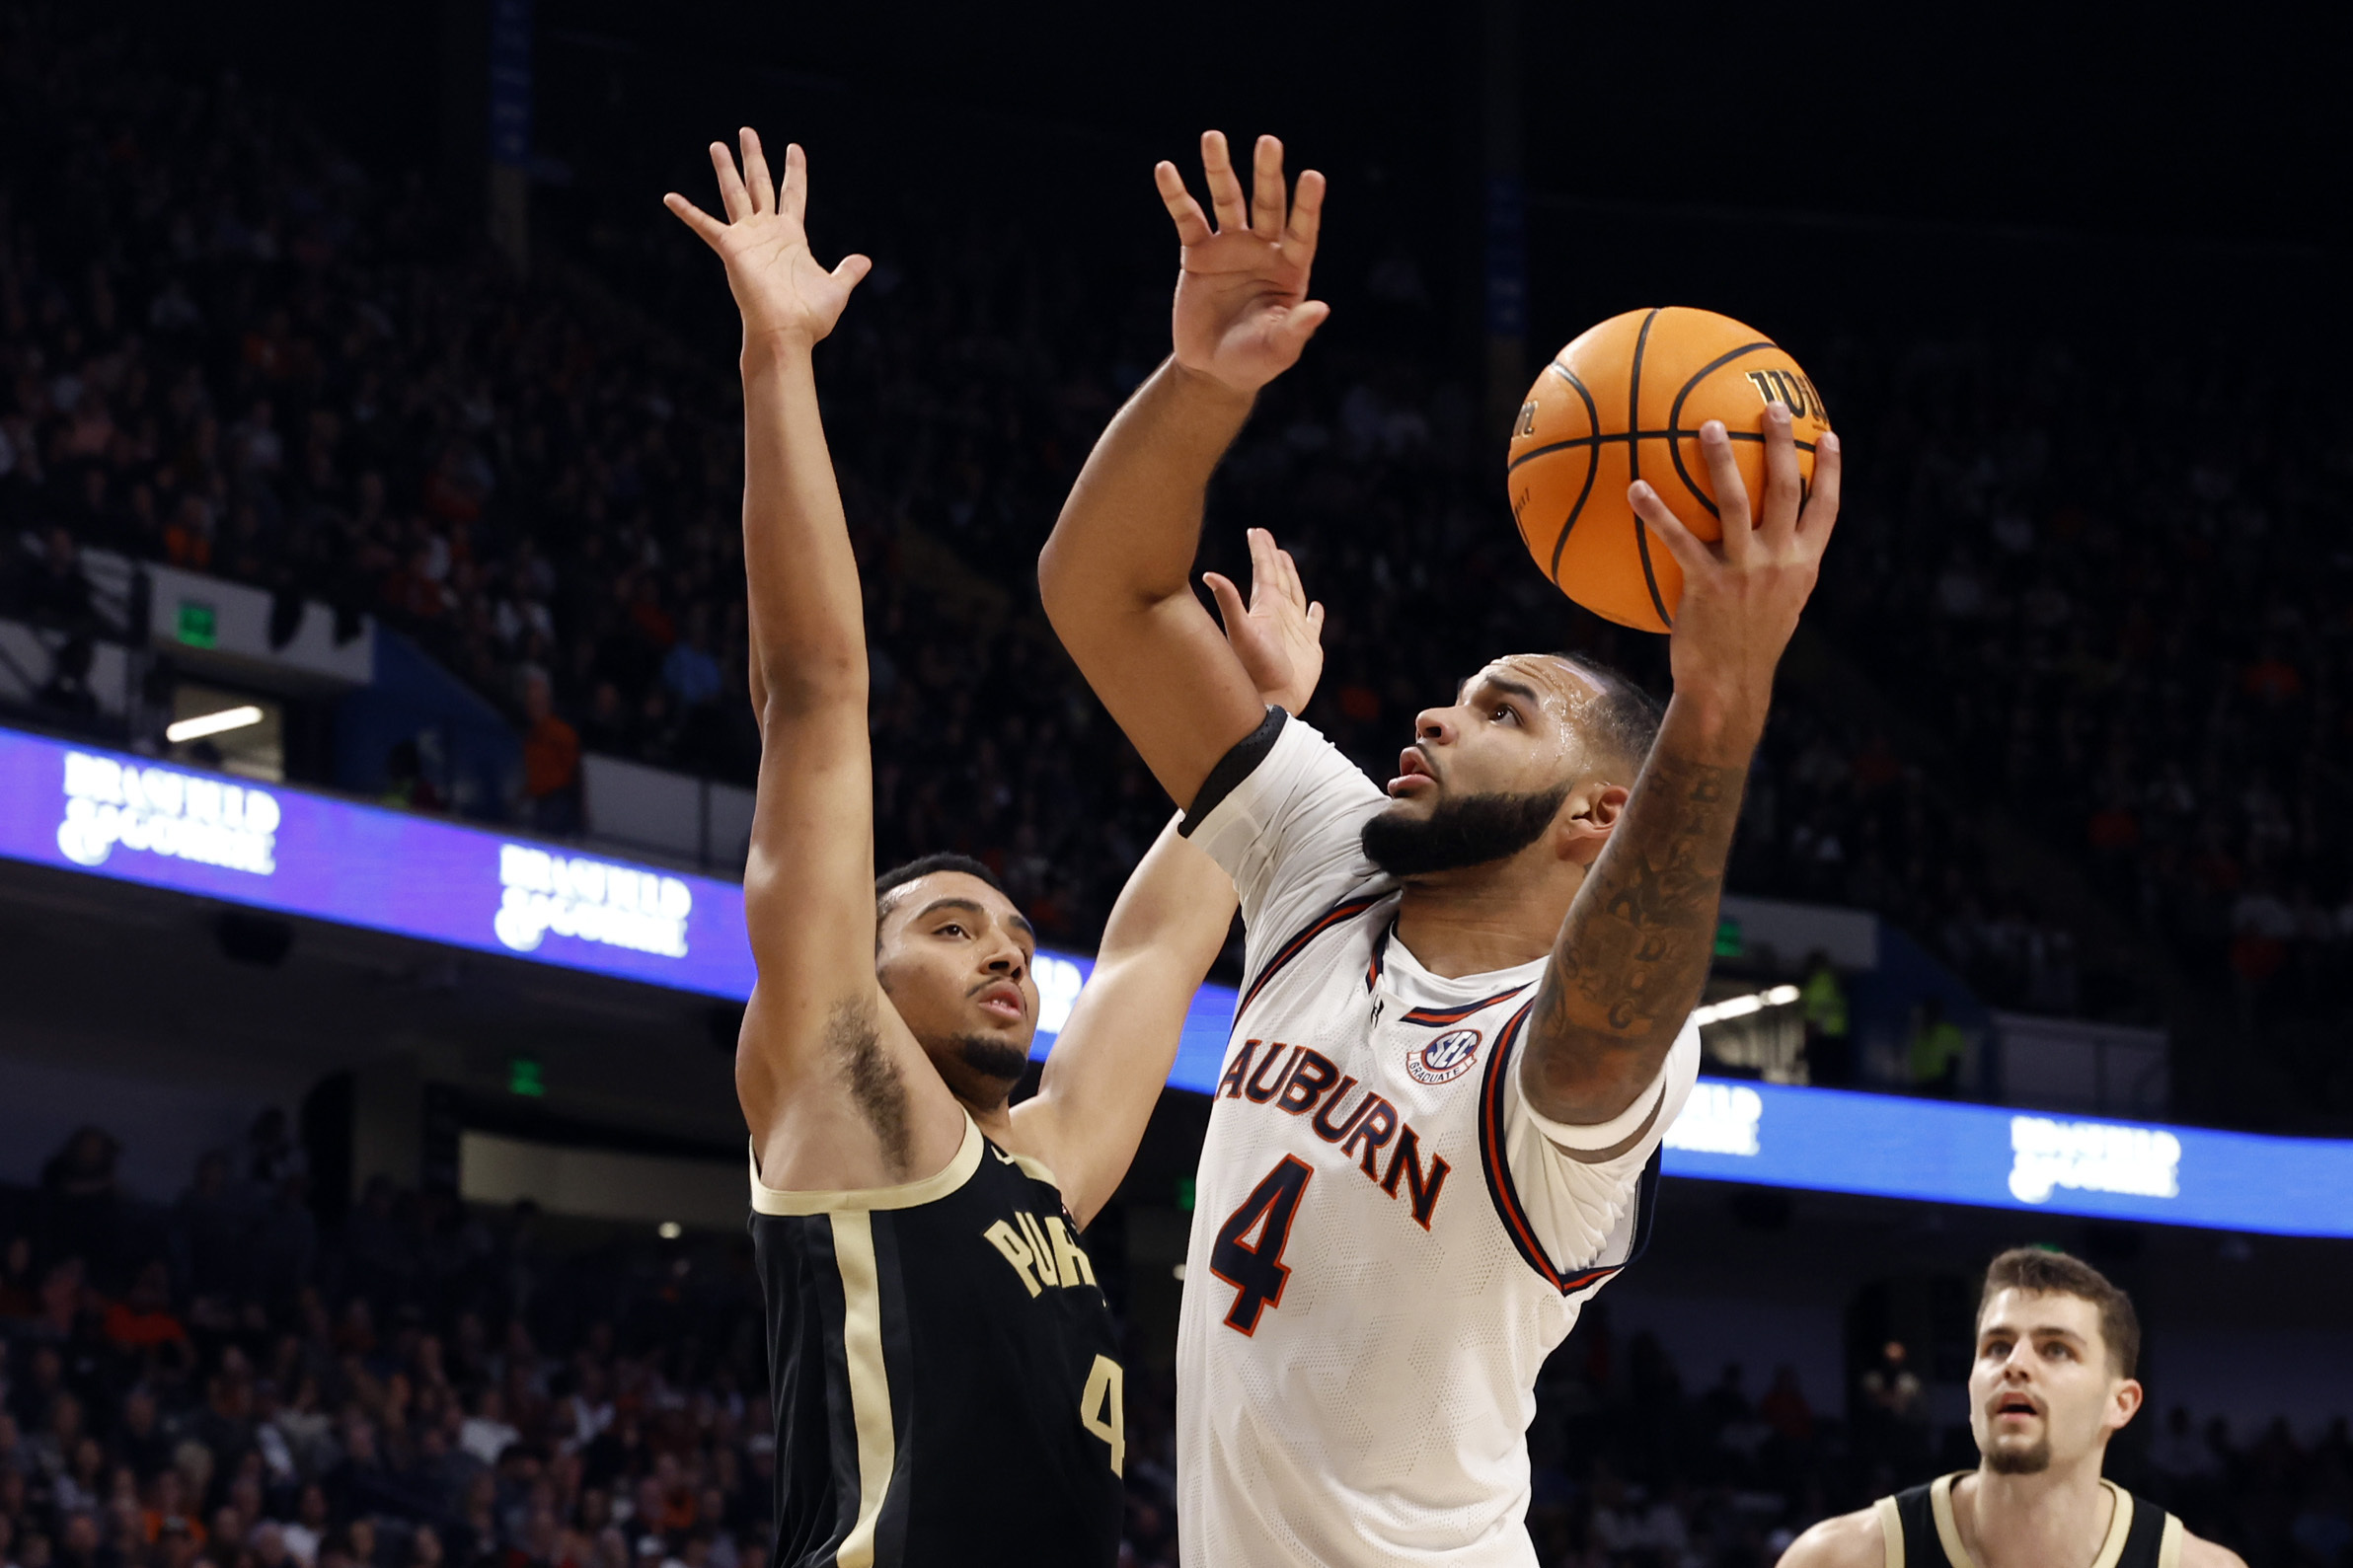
(1919,1530)
(943,1371)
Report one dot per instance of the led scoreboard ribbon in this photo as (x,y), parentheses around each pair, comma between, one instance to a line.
(1885,1145)
(130,819)
(134,820)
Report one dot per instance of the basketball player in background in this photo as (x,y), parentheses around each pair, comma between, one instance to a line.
(2056,1346)
(944,1367)
(1465,1026)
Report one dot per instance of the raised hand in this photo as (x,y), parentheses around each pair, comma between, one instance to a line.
(1242,314)
(1279,638)
(779,286)
(1741,595)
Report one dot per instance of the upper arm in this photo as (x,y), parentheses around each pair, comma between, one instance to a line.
(1633,954)
(1851,1540)
(1287,825)
(1158,662)
(821,1048)
(1116,579)
(808,878)
(1105,1072)
(1574,1182)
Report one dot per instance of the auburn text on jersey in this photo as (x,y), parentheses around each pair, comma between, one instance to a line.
(1302,1082)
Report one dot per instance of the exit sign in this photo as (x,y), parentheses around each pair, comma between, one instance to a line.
(199,624)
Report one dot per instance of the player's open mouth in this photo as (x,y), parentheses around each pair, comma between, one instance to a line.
(1412,771)
(2015,1406)
(1003,1001)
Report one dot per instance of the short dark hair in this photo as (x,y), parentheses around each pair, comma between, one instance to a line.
(2046,1271)
(899,876)
(1627,718)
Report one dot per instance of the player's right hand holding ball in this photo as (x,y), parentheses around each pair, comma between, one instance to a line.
(1742,594)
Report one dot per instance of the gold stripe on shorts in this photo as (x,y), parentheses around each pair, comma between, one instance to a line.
(869,1378)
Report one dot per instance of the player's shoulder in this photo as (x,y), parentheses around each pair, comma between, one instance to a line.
(1019,1156)
(1848,1540)
(2199,1552)
(1283,775)
(1298,748)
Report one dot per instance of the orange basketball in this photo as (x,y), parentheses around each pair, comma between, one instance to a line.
(1624,401)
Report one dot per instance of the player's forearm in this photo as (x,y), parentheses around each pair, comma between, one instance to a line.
(805,616)
(1127,535)
(1107,1069)
(1633,954)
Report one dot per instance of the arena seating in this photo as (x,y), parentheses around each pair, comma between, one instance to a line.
(223,1384)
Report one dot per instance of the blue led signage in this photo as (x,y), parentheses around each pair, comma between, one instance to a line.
(135,820)
(1997,1157)
(108,815)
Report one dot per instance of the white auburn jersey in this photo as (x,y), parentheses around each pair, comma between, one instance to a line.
(1387,1241)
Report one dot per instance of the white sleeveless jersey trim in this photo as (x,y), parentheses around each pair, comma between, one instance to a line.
(1362,1324)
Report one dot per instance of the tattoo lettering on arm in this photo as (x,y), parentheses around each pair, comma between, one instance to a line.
(876,1087)
(1635,950)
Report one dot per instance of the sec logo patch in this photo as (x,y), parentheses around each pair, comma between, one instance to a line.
(1444,1059)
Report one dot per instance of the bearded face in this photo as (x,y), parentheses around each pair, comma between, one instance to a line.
(1460,831)
(992,1057)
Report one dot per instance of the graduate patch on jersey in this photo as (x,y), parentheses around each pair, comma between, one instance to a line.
(1444,1059)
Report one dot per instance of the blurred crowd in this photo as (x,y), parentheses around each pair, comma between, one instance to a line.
(223,1384)
(227,345)
(226,1383)
(2114,580)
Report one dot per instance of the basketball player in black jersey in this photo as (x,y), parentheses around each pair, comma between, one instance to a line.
(2052,1383)
(944,1368)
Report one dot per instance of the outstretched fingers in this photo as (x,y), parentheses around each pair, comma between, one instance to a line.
(1266,573)
(756,179)
(732,194)
(1266,189)
(1785,491)
(1225,189)
(709,228)
(1821,511)
(1296,589)
(1192,225)
(1306,213)
(791,198)
(1299,324)
(1689,551)
(1731,490)
(1231,612)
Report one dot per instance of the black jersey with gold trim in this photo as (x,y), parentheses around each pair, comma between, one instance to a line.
(945,1372)
(1917,1530)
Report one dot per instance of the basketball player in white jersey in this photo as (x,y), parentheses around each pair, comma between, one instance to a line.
(1465,1026)
(2053,1382)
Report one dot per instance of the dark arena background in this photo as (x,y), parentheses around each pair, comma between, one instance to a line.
(370,458)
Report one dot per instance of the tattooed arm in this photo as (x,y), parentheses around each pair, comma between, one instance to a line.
(1630,960)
